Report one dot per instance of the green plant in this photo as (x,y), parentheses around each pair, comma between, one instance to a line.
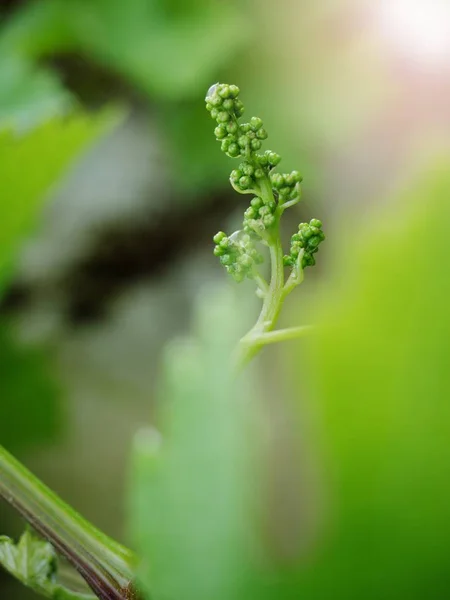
(273,193)
(107,567)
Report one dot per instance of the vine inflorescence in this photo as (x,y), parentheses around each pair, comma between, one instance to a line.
(273,193)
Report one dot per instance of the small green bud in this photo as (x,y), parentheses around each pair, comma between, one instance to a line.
(214,113)
(220,235)
(232,127)
(256,202)
(262,134)
(223,116)
(243,141)
(238,108)
(245,127)
(316,223)
(235,175)
(223,90)
(228,104)
(259,173)
(256,123)
(268,220)
(277,180)
(233,150)
(233,91)
(245,182)
(247,169)
(225,145)
(255,144)
(216,100)
(220,132)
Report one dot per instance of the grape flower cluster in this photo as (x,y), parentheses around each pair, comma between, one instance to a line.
(272,191)
(308,238)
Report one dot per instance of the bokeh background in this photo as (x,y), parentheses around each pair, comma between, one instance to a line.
(107,97)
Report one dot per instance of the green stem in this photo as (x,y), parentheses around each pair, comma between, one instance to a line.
(273,299)
(280,335)
(107,566)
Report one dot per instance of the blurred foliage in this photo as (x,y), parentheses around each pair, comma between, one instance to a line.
(165,48)
(28,95)
(29,409)
(382,386)
(170,51)
(188,506)
(29,165)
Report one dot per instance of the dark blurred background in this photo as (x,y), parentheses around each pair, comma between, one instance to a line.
(351,93)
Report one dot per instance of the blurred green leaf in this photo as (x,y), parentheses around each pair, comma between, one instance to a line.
(29,411)
(28,95)
(191,490)
(382,381)
(166,48)
(33,562)
(29,165)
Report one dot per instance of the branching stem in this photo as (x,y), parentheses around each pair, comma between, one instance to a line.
(106,566)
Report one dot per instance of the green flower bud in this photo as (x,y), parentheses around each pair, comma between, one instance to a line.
(223,116)
(256,202)
(243,141)
(235,175)
(261,134)
(216,100)
(238,108)
(316,223)
(228,104)
(220,132)
(248,169)
(214,113)
(245,182)
(255,144)
(268,220)
(256,123)
(233,91)
(273,158)
(233,150)
(232,127)
(259,173)
(224,90)
(277,180)
(220,235)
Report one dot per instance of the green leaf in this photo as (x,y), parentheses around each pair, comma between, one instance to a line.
(166,48)
(29,95)
(34,563)
(29,165)
(192,493)
(381,380)
(29,409)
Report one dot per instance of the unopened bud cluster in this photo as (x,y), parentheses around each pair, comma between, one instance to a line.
(273,192)
(237,254)
(286,185)
(259,217)
(308,239)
